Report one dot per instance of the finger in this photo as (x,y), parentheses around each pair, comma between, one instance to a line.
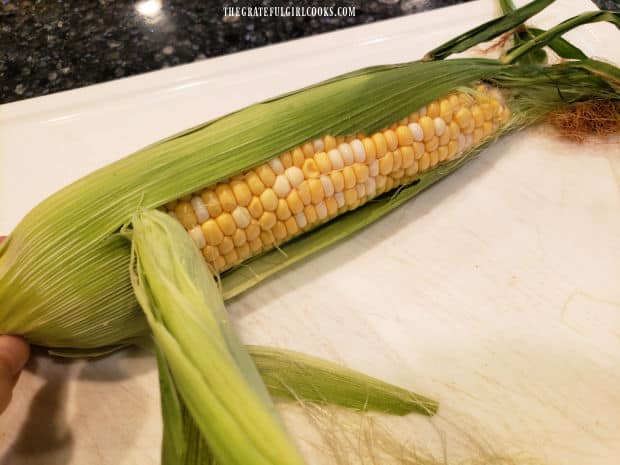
(14,352)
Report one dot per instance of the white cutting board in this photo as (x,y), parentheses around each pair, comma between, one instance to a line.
(496,291)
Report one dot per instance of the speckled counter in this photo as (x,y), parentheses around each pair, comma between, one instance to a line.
(48,46)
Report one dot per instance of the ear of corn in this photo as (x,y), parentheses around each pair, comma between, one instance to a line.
(40,286)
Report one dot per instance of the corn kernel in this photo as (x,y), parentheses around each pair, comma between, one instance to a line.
(398,161)
(418,150)
(267,220)
(242,217)
(239,238)
(226,246)
(185,213)
(361,172)
(330,143)
(323,162)
(432,144)
(298,157)
(255,245)
(213,204)
(279,231)
(392,140)
(219,263)
(349,177)
(231,258)
(445,110)
(255,207)
(310,214)
(350,197)
(269,199)
(304,193)
(294,202)
(386,164)
(408,156)
(380,144)
(254,183)
(463,117)
(210,252)
(405,137)
(291,226)
(428,127)
(308,150)
(424,162)
(316,190)
(332,206)
(369,148)
(443,153)
(212,232)
(243,251)
(434,156)
(432,110)
(283,212)
(252,231)
(337,180)
(310,168)
(266,175)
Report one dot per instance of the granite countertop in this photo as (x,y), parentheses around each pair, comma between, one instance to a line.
(48,46)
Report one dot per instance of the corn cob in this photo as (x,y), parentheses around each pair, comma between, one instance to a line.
(320,179)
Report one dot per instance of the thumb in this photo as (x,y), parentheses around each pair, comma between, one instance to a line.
(14,353)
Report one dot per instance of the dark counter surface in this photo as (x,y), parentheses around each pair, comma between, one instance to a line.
(48,46)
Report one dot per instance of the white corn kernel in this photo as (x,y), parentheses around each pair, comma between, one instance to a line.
(242,217)
(321,210)
(347,154)
(336,159)
(281,186)
(301,220)
(371,187)
(328,185)
(373,169)
(318,144)
(339,196)
(462,142)
(422,111)
(294,175)
(198,237)
(440,126)
(358,151)
(200,209)
(361,189)
(416,130)
(276,165)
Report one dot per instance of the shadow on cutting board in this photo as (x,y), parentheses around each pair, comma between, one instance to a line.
(58,407)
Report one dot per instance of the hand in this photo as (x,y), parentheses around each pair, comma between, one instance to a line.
(14,352)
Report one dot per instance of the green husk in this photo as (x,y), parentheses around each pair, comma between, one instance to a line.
(218,383)
(295,376)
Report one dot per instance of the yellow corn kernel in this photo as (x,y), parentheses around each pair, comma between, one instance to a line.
(239,237)
(392,139)
(323,162)
(213,204)
(432,110)
(269,199)
(308,150)
(386,164)
(279,231)
(445,138)
(350,197)
(404,136)
(337,180)
(455,130)
(291,226)
(255,207)
(212,232)
(243,251)
(219,263)
(330,143)
(267,220)
(226,197)
(252,231)
(210,252)
(286,159)
(477,115)
(443,152)
(294,202)
(412,170)
(463,117)
(316,190)
(424,162)
(487,128)
(298,157)
(445,110)
(304,193)
(226,223)
(349,177)
(418,150)
(254,183)
(380,144)
(361,172)
(241,192)
(432,144)
(256,245)
(310,168)
(408,156)
(478,133)
(332,206)
(370,149)
(428,127)
(398,160)
(434,157)
(185,214)
(453,147)
(283,212)
(226,246)
(266,175)
(231,258)
(310,214)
